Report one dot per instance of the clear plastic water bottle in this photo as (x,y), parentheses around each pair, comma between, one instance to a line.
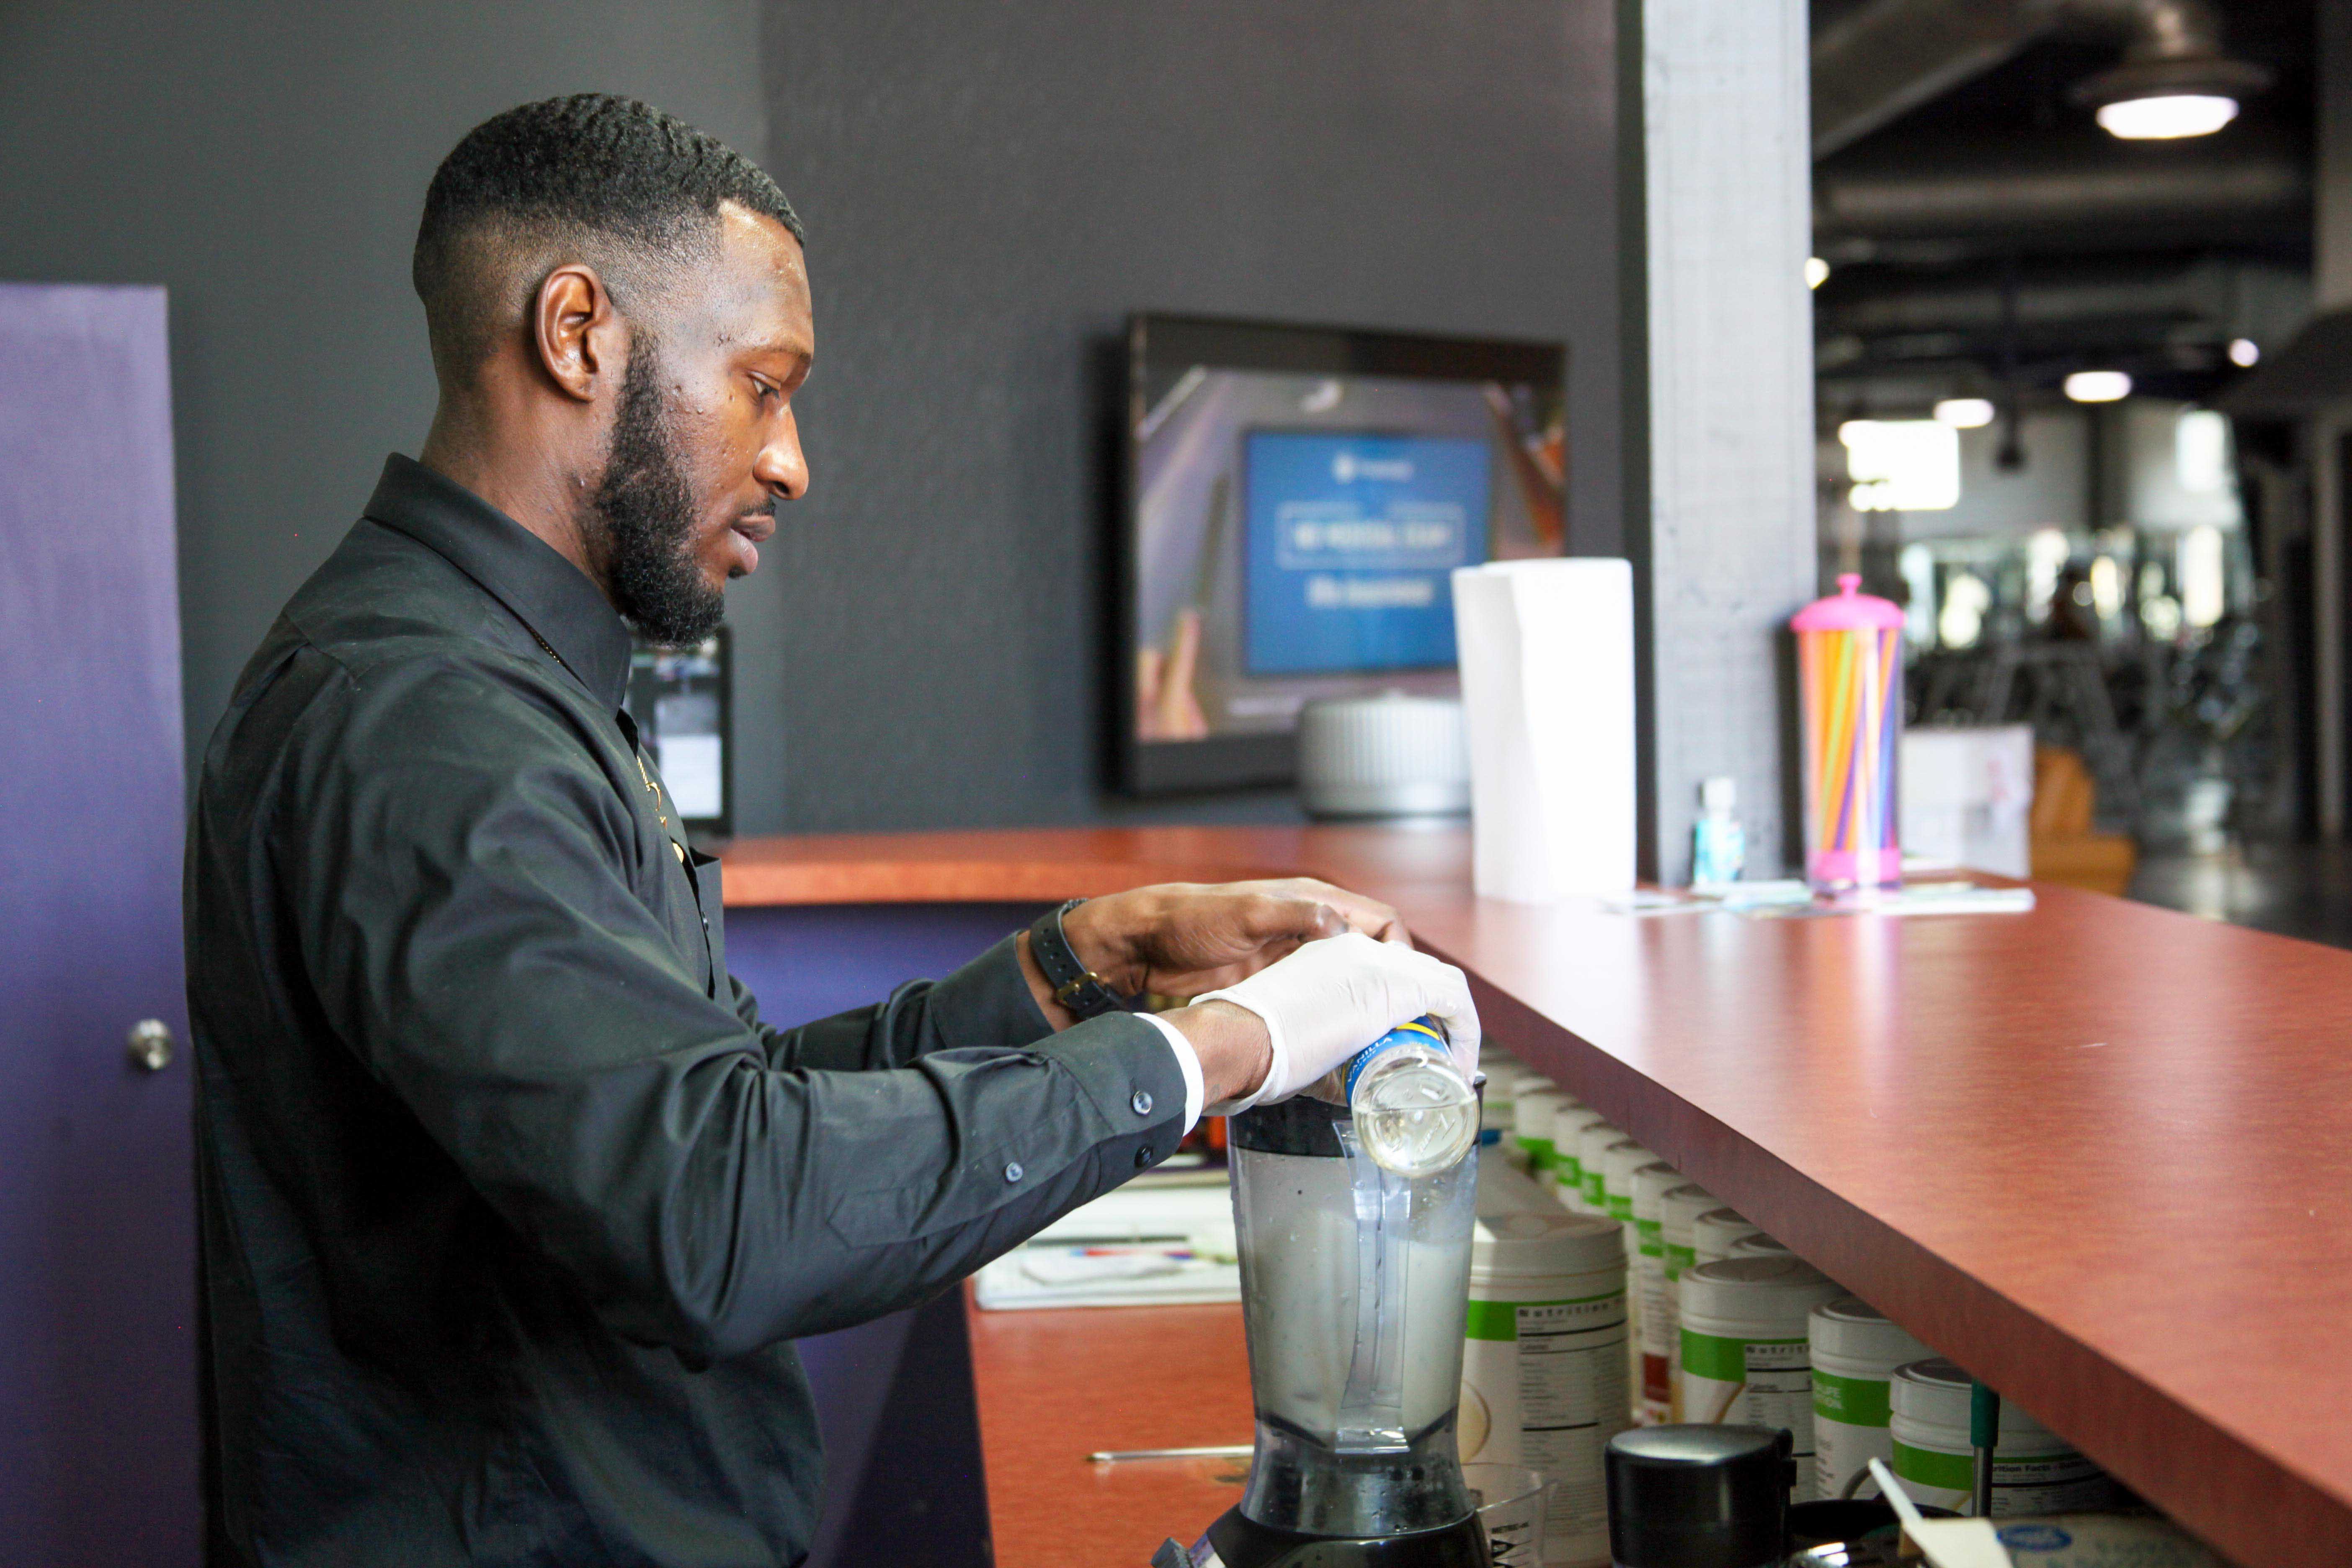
(1414,1112)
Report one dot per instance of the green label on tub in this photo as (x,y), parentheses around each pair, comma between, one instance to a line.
(1856,1401)
(1592,1183)
(1680,1261)
(1652,1237)
(1620,1207)
(1726,1360)
(1952,1472)
(1492,1320)
(1709,1355)
(1541,1153)
(1568,1169)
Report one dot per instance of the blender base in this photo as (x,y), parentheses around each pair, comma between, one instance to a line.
(1234,1541)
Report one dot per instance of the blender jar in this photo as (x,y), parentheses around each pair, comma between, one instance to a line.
(1354,1281)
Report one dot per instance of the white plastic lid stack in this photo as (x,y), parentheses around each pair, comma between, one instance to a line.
(1713,1233)
(1652,1182)
(1617,1164)
(1935,1392)
(1591,1145)
(1568,1130)
(1539,1244)
(1532,1111)
(1850,1330)
(1759,1291)
(1678,1209)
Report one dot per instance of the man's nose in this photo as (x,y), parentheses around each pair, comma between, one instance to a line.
(782,467)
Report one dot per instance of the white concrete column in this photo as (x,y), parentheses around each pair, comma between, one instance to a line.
(1719,405)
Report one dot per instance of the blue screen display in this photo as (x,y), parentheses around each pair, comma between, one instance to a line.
(1351,542)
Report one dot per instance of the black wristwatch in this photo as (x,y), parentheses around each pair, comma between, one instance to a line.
(1078,989)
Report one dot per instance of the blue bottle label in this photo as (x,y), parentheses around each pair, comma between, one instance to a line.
(1423,1030)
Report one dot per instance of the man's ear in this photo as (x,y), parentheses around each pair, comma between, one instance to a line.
(576,330)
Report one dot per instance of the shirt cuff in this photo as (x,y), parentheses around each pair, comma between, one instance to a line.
(987,1003)
(1188,1062)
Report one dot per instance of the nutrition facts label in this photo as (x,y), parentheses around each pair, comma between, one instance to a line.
(1571,1401)
(1753,1383)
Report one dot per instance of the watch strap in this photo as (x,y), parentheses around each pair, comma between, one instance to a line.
(1078,990)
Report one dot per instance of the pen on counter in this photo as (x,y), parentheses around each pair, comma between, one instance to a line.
(1216,1451)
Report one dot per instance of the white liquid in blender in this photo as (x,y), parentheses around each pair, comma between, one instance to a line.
(1301,1282)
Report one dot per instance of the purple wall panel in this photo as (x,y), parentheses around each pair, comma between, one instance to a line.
(98,1450)
(893,1396)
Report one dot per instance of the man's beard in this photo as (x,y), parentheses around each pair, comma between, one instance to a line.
(640,519)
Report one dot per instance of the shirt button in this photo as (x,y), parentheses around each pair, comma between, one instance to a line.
(1143,1157)
(1142,1101)
(1012,1170)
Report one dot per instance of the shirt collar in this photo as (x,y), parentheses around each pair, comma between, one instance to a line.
(546,593)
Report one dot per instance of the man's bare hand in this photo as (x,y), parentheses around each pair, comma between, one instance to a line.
(1181,938)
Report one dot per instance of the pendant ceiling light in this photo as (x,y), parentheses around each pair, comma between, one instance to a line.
(2175,79)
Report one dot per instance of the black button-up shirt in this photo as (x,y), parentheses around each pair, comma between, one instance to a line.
(510,1200)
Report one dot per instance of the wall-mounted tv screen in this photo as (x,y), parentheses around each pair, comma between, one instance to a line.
(1296,498)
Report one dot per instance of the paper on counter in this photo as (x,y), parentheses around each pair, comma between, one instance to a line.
(1719,896)
(1131,1248)
(1927,899)
(1547,653)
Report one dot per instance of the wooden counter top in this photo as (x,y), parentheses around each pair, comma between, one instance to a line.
(2101,1153)
(1054,1386)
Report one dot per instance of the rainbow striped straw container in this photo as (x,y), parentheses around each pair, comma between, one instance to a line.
(1850,667)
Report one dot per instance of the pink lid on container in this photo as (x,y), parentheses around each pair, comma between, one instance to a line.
(1849,610)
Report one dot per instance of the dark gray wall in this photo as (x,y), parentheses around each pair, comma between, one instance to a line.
(266,162)
(990,188)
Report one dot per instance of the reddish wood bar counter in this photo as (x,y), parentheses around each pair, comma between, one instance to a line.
(2101,1154)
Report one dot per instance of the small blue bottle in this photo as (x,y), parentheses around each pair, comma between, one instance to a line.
(1718,845)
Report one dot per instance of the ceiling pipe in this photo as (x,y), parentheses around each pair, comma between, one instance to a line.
(2190,198)
(2008,303)
(1887,58)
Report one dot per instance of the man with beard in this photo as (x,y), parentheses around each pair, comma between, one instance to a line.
(510,1200)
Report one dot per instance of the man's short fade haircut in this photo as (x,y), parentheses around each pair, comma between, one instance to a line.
(614,182)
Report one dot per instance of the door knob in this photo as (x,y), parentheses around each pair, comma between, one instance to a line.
(150,1044)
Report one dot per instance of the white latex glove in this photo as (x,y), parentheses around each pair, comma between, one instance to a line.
(1331,998)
